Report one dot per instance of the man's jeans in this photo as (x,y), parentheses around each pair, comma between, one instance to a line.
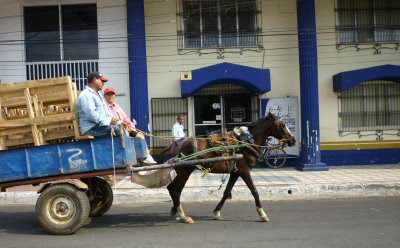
(102,130)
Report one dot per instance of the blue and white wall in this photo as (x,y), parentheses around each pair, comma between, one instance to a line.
(113,45)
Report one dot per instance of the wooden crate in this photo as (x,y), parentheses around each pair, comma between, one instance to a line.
(38,112)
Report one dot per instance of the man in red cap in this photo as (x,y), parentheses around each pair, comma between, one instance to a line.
(93,114)
(119,114)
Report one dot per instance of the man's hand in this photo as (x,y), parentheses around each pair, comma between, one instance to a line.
(113,121)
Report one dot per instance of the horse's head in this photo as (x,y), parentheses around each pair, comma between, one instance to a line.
(274,126)
(282,132)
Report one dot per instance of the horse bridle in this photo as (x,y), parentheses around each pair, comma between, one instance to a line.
(281,129)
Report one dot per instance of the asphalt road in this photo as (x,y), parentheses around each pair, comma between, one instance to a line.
(368,222)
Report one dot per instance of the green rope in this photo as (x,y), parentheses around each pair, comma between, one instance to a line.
(183,157)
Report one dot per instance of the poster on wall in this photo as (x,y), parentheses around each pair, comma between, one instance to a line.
(287,108)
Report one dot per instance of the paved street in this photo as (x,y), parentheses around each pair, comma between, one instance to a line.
(362,222)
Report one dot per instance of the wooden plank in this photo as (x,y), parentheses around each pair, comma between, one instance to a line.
(44,90)
(62,117)
(49,98)
(18,142)
(11,131)
(75,90)
(5,87)
(72,100)
(84,137)
(60,134)
(35,133)
(11,94)
(18,136)
(36,106)
(55,125)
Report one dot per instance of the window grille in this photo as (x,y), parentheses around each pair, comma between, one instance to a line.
(78,70)
(367,21)
(223,89)
(218,24)
(370,106)
(164,112)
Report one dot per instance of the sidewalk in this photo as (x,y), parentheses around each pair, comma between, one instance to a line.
(279,184)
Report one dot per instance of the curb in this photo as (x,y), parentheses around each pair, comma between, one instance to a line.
(275,192)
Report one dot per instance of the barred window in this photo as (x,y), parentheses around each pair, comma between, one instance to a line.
(367,21)
(370,106)
(218,23)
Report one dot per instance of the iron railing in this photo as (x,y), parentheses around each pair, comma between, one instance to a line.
(78,70)
(371,106)
(164,112)
(219,24)
(367,21)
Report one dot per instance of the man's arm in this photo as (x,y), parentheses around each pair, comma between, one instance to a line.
(124,118)
(88,106)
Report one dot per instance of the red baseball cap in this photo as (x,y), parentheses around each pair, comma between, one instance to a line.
(109,90)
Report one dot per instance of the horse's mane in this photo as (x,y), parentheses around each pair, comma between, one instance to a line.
(256,123)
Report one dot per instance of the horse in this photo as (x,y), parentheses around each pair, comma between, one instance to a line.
(271,125)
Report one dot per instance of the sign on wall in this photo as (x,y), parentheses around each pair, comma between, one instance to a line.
(287,108)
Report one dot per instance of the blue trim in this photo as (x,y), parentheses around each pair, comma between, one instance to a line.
(138,90)
(351,157)
(310,154)
(361,157)
(348,79)
(254,79)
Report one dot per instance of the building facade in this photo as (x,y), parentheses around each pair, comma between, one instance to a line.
(220,62)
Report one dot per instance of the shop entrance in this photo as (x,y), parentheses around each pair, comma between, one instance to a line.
(215,112)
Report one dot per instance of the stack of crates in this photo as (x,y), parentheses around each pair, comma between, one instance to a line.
(38,112)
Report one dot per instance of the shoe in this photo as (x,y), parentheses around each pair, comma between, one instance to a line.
(149,160)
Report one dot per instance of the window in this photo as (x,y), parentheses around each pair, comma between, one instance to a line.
(367,21)
(370,106)
(219,24)
(65,32)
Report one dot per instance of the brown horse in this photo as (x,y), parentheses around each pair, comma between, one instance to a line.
(270,125)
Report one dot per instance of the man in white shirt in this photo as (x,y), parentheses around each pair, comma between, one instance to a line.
(178,129)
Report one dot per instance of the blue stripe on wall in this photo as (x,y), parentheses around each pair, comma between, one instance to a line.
(352,157)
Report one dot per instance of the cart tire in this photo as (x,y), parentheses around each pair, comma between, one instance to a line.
(100,196)
(62,209)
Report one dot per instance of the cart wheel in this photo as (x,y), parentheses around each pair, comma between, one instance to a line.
(100,196)
(62,209)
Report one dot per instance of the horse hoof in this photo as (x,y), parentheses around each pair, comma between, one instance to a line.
(264,218)
(187,220)
(217,215)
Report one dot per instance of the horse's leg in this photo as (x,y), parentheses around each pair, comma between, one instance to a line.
(245,175)
(175,189)
(227,193)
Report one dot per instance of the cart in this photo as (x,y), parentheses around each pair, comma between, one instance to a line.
(73,189)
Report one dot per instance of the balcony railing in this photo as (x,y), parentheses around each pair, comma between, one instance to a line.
(78,70)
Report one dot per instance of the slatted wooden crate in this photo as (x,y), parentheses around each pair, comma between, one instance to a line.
(38,112)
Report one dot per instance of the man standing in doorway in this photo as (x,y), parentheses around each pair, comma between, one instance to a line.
(177,129)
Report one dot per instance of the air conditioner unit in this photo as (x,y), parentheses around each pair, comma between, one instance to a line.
(186,75)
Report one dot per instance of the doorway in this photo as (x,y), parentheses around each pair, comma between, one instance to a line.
(213,113)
